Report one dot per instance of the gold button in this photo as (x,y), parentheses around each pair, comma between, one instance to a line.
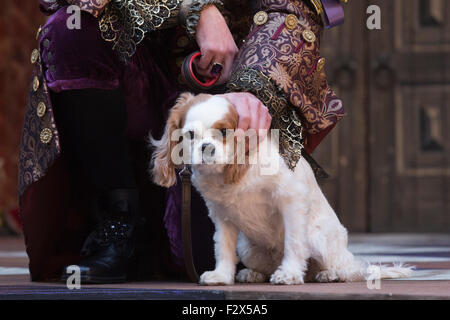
(321,64)
(309,36)
(46,136)
(317,6)
(260,18)
(291,21)
(34,56)
(35,83)
(182,41)
(41,109)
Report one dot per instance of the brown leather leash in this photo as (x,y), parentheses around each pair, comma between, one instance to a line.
(191,79)
(186,230)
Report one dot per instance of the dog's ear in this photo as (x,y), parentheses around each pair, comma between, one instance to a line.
(234,173)
(163,170)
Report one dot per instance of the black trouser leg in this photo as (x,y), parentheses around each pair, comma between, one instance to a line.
(92,125)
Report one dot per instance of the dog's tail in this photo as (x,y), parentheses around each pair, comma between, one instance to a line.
(382,271)
(363,271)
(398,270)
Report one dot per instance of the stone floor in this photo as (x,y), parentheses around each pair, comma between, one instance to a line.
(430,254)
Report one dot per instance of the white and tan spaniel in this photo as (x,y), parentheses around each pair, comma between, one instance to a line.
(277,222)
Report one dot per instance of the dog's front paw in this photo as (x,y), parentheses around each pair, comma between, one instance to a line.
(250,276)
(216,278)
(282,276)
(327,276)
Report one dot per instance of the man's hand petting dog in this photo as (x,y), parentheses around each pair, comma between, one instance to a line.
(253,114)
(216,44)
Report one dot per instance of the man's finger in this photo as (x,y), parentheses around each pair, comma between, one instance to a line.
(256,115)
(227,68)
(265,123)
(225,74)
(244,116)
(205,74)
(268,122)
(205,60)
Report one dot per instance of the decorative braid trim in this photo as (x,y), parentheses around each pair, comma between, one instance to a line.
(194,12)
(126,22)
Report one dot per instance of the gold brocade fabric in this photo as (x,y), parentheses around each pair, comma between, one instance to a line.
(40,144)
(285,47)
(282,50)
(126,22)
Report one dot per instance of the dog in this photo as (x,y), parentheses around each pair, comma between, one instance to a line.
(279,225)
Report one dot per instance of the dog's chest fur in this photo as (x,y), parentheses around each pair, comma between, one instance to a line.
(249,205)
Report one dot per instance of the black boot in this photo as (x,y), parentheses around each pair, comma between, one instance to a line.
(107,250)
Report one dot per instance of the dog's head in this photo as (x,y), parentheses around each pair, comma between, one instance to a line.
(200,131)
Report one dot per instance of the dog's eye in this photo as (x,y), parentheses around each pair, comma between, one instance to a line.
(224,132)
(190,135)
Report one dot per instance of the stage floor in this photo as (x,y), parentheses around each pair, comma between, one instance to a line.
(429,253)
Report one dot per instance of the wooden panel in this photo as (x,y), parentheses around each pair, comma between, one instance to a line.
(422,158)
(344,153)
(422,133)
(409,102)
(389,158)
(420,26)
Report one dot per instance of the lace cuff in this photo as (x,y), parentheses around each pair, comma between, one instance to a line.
(126,22)
(190,13)
(284,117)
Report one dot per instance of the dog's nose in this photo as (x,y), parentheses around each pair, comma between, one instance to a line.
(209,147)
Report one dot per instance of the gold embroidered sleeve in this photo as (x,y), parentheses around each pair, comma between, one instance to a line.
(190,13)
(284,117)
(125,23)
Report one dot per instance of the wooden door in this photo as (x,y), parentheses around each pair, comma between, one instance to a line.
(390,157)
